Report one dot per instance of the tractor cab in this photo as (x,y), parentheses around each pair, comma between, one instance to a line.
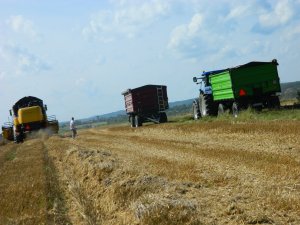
(204,81)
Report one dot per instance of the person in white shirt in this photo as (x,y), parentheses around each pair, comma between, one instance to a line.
(73,128)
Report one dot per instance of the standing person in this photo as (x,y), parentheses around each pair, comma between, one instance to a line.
(73,128)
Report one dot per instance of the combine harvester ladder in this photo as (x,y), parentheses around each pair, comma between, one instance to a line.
(161,102)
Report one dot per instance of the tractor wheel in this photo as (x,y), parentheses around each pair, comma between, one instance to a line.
(235,109)
(163,117)
(7,133)
(207,106)
(221,109)
(18,137)
(196,111)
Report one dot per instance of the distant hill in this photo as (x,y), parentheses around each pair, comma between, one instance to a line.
(179,103)
(107,115)
(289,90)
(172,105)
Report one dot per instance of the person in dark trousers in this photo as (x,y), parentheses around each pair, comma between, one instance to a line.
(73,128)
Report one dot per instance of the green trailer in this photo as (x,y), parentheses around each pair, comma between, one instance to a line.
(255,84)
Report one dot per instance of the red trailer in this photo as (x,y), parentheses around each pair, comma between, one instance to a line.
(146,103)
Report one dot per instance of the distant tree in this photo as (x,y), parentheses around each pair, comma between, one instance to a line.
(298,96)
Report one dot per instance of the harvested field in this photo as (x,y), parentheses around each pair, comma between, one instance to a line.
(216,172)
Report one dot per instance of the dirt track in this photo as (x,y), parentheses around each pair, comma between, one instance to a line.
(197,173)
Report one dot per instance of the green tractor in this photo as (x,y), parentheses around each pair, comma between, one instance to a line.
(255,84)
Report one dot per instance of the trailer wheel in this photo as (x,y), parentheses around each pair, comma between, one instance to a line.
(235,109)
(132,120)
(274,102)
(196,111)
(207,106)
(138,121)
(163,117)
(221,109)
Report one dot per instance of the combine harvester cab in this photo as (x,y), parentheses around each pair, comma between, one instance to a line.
(255,84)
(146,104)
(29,114)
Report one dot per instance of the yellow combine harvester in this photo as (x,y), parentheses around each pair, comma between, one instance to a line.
(29,114)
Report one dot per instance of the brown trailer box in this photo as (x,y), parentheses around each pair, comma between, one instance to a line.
(146,103)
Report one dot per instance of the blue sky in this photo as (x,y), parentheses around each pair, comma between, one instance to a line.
(78,56)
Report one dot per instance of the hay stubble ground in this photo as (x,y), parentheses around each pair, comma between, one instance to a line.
(177,173)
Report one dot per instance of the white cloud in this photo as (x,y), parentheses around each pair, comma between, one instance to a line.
(3,55)
(195,24)
(1,75)
(20,61)
(80,81)
(100,60)
(292,32)
(280,15)
(100,26)
(127,19)
(21,25)
(186,32)
(235,30)
(255,46)
(86,86)
(238,11)
(139,14)
(177,36)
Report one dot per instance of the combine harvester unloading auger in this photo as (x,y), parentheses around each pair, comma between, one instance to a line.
(29,114)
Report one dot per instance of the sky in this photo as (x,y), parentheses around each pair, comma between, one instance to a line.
(79,55)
